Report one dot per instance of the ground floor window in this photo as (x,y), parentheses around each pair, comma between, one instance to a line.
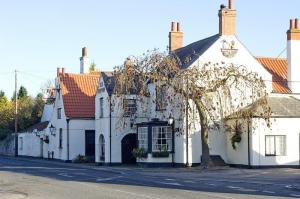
(161,138)
(102,148)
(143,138)
(21,143)
(275,145)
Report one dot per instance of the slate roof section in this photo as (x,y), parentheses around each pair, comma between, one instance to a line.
(190,53)
(79,91)
(278,67)
(109,81)
(284,106)
(39,127)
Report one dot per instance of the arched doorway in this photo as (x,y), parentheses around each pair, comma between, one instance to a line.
(102,148)
(128,144)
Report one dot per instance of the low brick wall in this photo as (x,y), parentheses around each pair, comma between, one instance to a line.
(7,146)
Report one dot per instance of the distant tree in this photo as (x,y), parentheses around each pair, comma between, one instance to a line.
(6,115)
(2,94)
(22,92)
(38,107)
(93,67)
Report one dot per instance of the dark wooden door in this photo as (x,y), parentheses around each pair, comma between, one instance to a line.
(128,144)
(90,144)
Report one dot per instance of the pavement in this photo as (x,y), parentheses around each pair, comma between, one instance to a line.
(44,179)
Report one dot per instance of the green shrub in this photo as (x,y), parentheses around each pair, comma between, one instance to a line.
(81,159)
(139,153)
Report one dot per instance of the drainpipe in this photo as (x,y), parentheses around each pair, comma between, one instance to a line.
(187,129)
(173,142)
(110,130)
(249,161)
(68,139)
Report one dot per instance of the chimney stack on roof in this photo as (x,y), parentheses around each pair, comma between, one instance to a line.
(84,62)
(227,20)
(175,37)
(293,49)
(294,32)
(58,71)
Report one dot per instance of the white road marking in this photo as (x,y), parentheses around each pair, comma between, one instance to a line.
(65,175)
(108,179)
(189,181)
(266,191)
(295,195)
(171,183)
(211,184)
(169,179)
(232,187)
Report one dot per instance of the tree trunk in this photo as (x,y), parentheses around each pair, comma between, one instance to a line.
(205,159)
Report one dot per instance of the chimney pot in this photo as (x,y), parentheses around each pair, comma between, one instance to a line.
(297,23)
(173,27)
(291,24)
(57,71)
(84,52)
(178,27)
(230,4)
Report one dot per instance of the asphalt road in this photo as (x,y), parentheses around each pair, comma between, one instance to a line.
(43,179)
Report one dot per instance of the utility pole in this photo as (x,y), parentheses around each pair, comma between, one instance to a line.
(16,113)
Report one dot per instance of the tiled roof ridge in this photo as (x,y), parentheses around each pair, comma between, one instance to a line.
(273,58)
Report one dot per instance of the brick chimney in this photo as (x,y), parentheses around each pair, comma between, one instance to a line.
(84,62)
(227,20)
(293,56)
(175,37)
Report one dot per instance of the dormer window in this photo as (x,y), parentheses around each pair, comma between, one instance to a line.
(129,106)
(161,98)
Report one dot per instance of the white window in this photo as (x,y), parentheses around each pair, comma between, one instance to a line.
(161,138)
(161,98)
(129,106)
(275,145)
(143,138)
(101,107)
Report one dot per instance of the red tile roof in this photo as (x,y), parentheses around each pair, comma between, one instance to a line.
(278,67)
(79,91)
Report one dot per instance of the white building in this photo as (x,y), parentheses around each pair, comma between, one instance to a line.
(71,128)
(116,135)
(34,142)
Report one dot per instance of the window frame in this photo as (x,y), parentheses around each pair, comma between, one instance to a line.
(162,141)
(21,143)
(60,144)
(146,135)
(129,112)
(275,147)
(101,106)
(58,113)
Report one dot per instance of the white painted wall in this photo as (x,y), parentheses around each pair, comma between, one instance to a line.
(280,126)
(31,145)
(293,49)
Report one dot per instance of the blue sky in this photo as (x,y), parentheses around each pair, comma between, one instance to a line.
(37,36)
